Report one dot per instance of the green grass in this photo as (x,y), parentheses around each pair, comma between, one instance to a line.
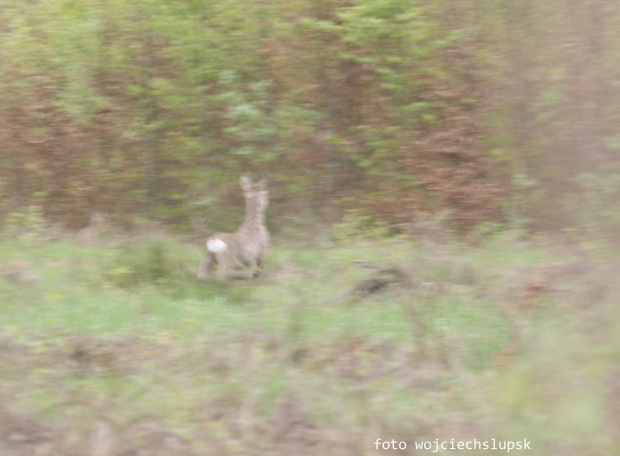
(129,324)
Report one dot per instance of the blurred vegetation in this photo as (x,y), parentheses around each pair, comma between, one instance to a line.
(385,108)
(118,347)
(445,188)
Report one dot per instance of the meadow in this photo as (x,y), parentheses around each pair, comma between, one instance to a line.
(116,348)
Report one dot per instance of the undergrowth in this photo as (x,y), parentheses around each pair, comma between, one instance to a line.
(375,339)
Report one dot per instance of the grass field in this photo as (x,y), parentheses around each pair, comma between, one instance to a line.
(118,350)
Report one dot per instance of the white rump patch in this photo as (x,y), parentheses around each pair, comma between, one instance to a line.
(216,245)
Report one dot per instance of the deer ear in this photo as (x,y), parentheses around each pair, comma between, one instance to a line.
(246,183)
(263,183)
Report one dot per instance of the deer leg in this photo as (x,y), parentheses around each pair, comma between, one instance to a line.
(222,267)
(259,268)
(205,264)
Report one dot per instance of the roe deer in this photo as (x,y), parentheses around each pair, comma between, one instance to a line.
(247,247)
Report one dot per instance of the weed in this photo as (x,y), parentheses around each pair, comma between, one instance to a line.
(126,341)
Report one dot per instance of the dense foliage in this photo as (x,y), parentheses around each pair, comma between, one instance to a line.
(491,111)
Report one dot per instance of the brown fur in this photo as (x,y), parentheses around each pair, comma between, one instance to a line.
(245,248)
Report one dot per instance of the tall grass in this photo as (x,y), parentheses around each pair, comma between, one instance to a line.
(464,342)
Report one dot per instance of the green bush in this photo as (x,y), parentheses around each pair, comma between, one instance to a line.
(357,225)
(154,261)
(27,224)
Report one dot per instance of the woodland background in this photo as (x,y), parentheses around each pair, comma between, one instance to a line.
(372,112)
(445,209)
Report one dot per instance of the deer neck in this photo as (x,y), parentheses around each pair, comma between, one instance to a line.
(253,216)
